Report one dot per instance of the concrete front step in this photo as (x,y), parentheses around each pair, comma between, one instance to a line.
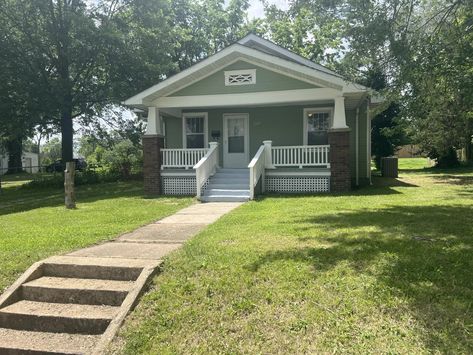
(228,186)
(226,192)
(16,342)
(245,175)
(224,198)
(57,317)
(75,290)
(233,171)
(229,181)
(102,272)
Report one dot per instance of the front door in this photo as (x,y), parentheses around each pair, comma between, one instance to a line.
(235,140)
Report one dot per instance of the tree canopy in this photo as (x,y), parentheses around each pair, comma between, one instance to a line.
(422,50)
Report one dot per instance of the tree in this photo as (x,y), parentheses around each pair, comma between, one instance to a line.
(422,48)
(51,151)
(122,157)
(70,45)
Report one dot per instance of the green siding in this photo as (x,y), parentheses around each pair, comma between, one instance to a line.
(283,125)
(173,132)
(266,80)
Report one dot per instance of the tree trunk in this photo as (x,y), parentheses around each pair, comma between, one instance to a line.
(15,150)
(70,197)
(469,151)
(67,134)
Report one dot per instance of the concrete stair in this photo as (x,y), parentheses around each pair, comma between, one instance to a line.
(65,305)
(228,185)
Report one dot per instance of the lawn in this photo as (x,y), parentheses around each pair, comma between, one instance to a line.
(384,269)
(34,224)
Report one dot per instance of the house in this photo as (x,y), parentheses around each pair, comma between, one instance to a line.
(29,162)
(255,118)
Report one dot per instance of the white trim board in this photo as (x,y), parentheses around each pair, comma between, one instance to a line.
(302,173)
(247,99)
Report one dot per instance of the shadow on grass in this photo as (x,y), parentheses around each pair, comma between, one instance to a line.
(26,199)
(422,254)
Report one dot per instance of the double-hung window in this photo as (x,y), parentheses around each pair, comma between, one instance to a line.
(195,130)
(316,125)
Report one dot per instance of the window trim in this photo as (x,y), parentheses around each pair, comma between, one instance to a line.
(185,115)
(309,110)
(240,72)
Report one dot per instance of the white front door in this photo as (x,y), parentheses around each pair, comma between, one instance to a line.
(235,140)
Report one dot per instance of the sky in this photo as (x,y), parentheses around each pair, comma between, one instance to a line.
(256,9)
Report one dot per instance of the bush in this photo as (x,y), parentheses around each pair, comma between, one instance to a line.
(447,159)
(124,158)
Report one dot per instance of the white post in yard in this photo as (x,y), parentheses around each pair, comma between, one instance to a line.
(339,119)
(268,160)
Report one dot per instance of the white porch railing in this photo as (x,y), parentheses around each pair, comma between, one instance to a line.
(182,158)
(300,156)
(257,169)
(206,167)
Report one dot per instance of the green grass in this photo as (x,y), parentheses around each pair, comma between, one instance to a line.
(385,269)
(413,163)
(34,224)
(15,180)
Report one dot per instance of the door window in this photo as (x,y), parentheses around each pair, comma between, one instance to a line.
(236,135)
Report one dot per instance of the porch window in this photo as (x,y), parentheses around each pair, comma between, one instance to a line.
(317,124)
(195,130)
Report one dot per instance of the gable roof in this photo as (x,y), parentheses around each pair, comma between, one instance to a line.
(259,43)
(255,50)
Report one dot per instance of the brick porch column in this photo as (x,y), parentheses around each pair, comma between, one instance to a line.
(340,179)
(339,140)
(153,141)
(152,164)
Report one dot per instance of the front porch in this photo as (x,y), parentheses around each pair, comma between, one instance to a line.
(280,169)
(310,147)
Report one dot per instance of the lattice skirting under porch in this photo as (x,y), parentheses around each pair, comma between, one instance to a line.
(288,184)
(178,185)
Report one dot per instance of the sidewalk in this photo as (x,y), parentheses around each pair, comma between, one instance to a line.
(75,303)
(160,238)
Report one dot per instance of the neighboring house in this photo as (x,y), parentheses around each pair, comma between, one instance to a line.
(29,162)
(274,121)
(408,151)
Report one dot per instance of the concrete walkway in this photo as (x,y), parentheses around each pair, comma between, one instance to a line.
(158,239)
(75,303)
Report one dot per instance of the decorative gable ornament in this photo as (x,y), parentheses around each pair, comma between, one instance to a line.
(240,77)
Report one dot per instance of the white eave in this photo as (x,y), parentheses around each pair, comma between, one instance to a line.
(236,52)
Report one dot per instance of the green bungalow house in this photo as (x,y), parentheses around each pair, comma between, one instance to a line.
(254,118)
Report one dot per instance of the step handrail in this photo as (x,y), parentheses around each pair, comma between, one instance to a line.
(257,170)
(206,167)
